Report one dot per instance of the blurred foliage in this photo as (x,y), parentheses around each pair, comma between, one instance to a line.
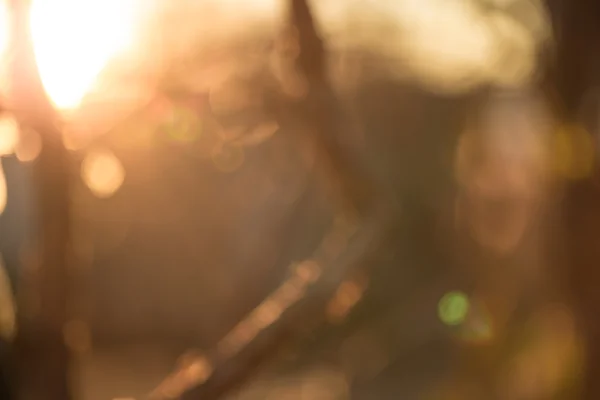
(199,219)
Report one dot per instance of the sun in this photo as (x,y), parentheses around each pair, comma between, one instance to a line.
(74,40)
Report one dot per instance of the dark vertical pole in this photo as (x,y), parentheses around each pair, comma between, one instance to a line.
(43,356)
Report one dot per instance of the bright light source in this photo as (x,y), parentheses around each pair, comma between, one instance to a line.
(74,40)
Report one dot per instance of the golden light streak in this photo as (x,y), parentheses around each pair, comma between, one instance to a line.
(74,40)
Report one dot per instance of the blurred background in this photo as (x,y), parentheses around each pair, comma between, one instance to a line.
(273,199)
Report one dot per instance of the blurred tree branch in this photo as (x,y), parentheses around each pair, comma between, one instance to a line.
(321,116)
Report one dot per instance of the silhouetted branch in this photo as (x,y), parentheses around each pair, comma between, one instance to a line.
(319,112)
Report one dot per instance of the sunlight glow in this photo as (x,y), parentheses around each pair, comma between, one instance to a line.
(75,39)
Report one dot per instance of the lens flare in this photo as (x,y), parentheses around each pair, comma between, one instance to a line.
(453,308)
(102,172)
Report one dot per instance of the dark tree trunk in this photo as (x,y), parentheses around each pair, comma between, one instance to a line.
(42,354)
